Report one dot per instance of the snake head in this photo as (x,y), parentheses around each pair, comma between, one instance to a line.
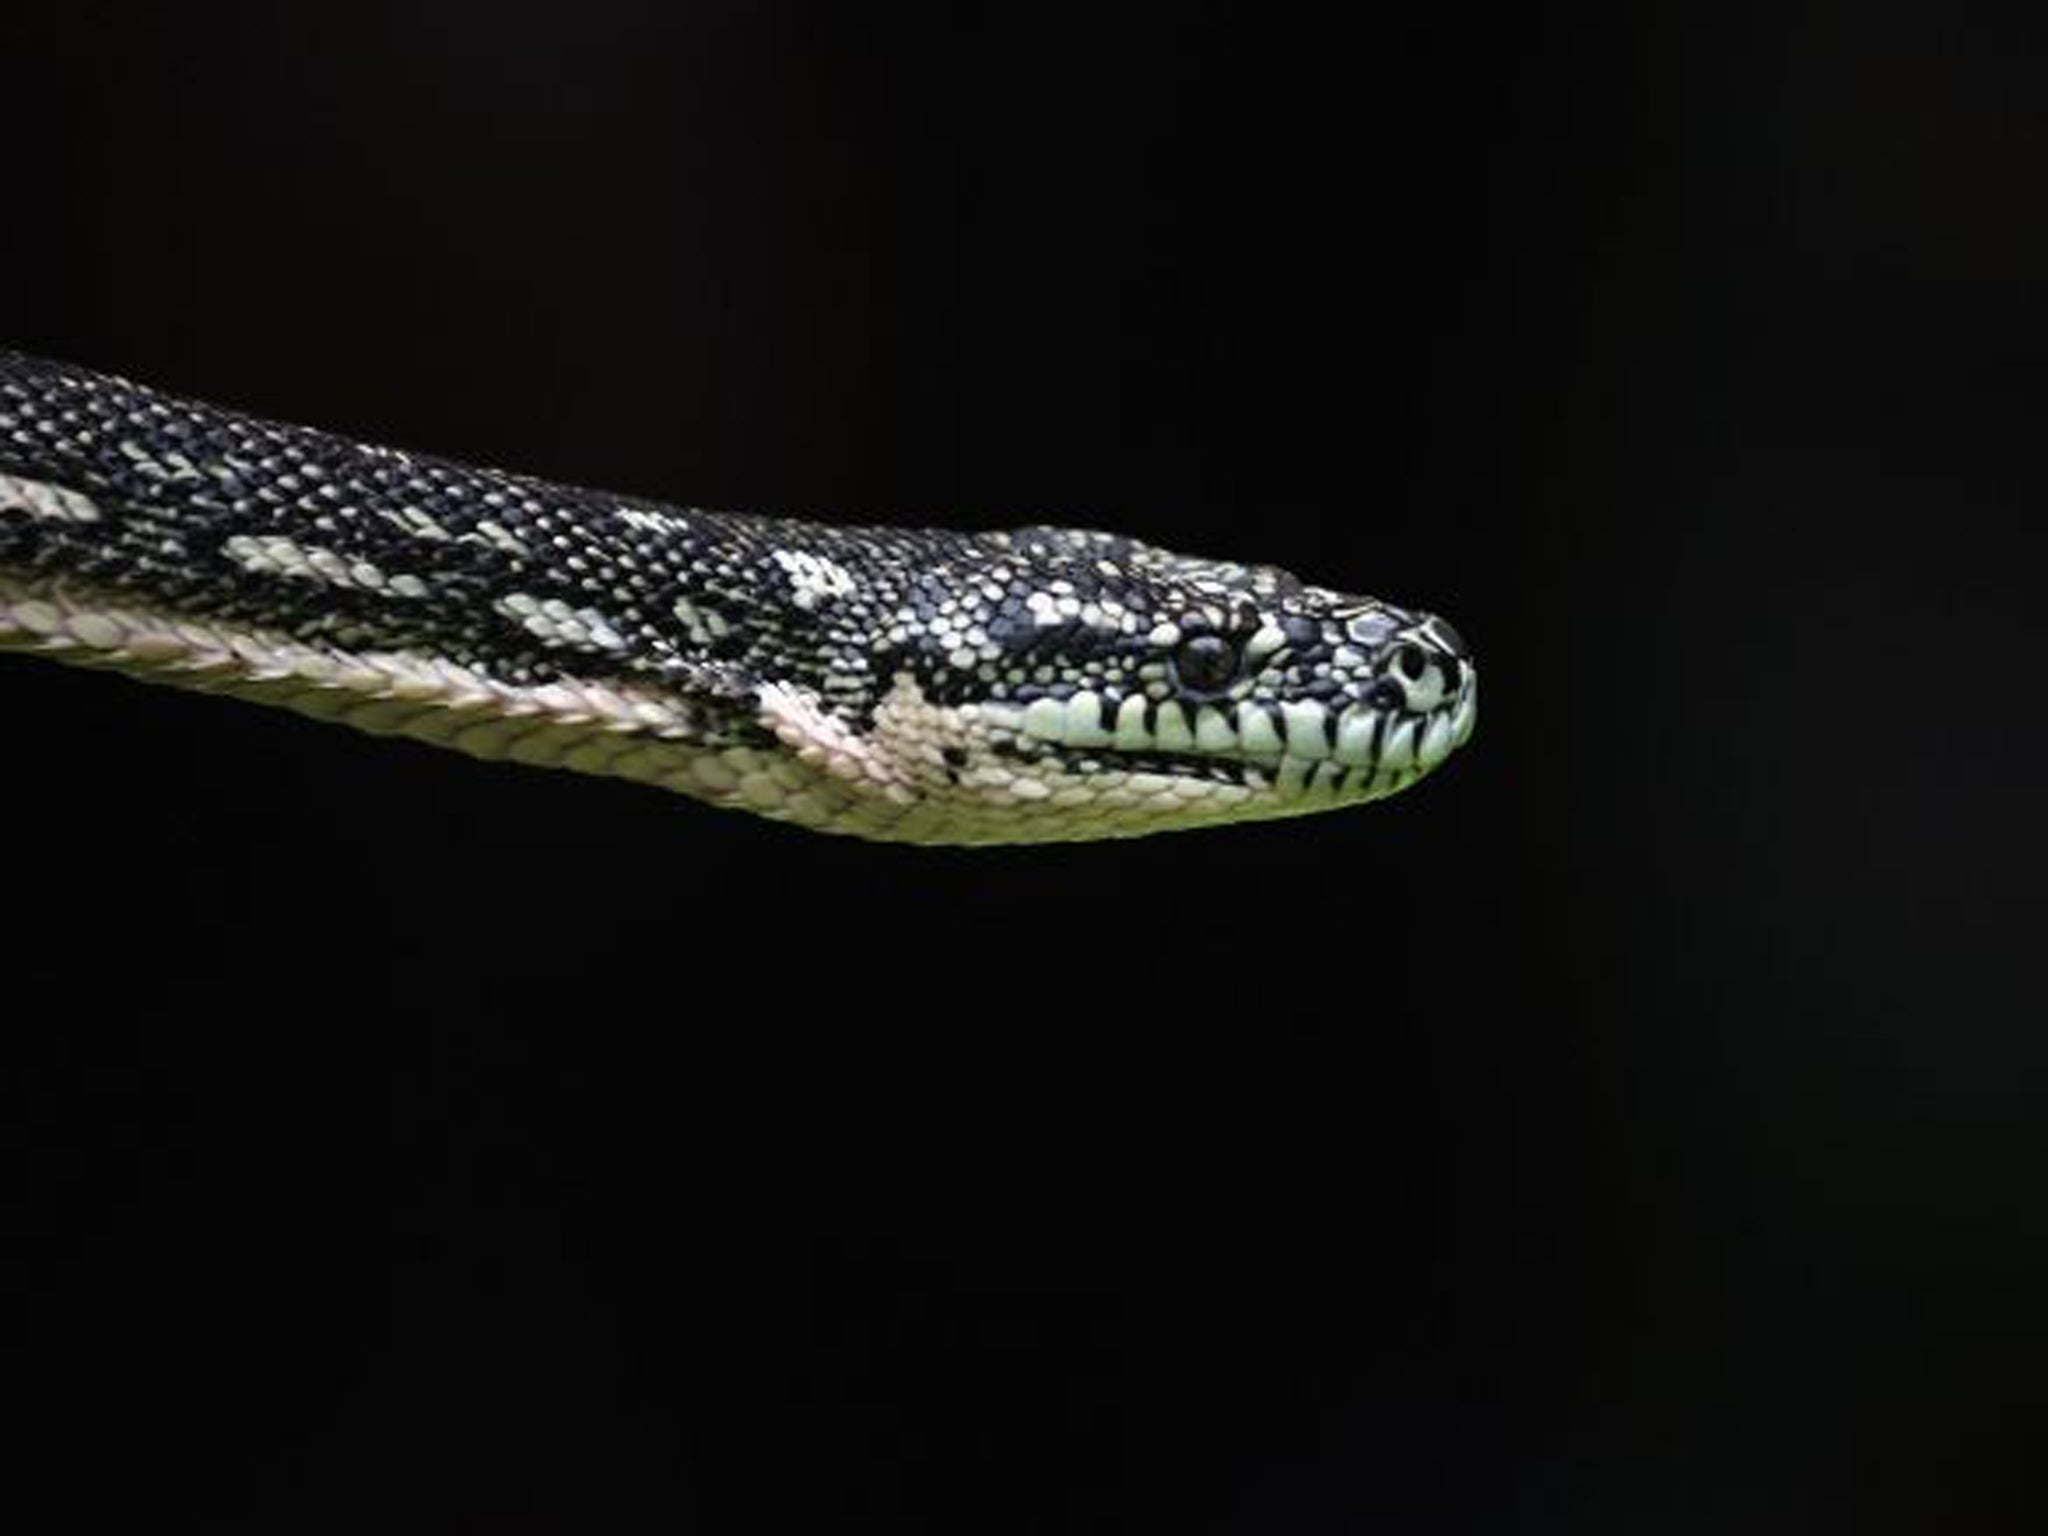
(1052,684)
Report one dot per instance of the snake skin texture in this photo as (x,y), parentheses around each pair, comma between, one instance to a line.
(911,685)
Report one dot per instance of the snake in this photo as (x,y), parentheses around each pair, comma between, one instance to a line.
(900,684)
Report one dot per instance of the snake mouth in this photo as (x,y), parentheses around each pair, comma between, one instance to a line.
(1290,750)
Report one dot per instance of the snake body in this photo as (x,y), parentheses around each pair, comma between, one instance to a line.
(914,685)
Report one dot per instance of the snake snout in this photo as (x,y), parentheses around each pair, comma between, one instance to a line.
(1446,639)
(1429,663)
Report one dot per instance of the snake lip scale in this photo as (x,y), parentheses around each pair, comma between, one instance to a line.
(917,685)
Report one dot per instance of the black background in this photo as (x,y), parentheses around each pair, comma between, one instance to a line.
(1639,1127)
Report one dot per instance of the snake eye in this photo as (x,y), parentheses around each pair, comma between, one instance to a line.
(1205,664)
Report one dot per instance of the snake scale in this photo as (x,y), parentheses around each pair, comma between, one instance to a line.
(915,685)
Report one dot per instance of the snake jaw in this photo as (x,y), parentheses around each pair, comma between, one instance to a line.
(986,772)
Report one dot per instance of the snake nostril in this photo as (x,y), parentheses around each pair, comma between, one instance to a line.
(1411,659)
